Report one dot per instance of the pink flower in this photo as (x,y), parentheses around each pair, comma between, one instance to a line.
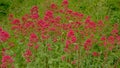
(67,44)
(49,14)
(35,16)
(15,27)
(34,10)
(25,17)
(28,60)
(30,44)
(100,23)
(28,53)
(65,3)
(7,59)
(33,38)
(69,11)
(29,24)
(111,39)
(49,48)
(87,19)
(106,18)
(76,47)
(55,40)
(87,44)
(16,22)
(114,31)
(73,62)
(70,33)
(36,47)
(74,39)
(53,6)
(4,36)
(105,43)
(91,24)
(11,17)
(103,38)
(95,54)
(118,38)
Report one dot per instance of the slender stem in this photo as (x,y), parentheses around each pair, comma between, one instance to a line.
(78,58)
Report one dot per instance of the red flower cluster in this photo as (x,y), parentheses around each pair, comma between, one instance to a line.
(34,12)
(88,44)
(59,26)
(28,55)
(95,54)
(33,38)
(3,35)
(6,61)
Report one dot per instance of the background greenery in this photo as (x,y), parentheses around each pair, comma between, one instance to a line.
(95,8)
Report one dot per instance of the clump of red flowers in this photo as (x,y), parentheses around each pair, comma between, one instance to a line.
(3,35)
(60,32)
(7,61)
(27,55)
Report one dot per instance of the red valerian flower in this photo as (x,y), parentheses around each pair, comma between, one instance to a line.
(103,38)
(100,23)
(4,36)
(33,38)
(34,12)
(74,39)
(91,24)
(87,44)
(34,9)
(95,54)
(35,16)
(115,31)
(49,48)
(105,43)
(53,6)
(25,17)
(76,47)
(67,43)
(30,44)
(69,11)
(111,39)
(36,47)
(55,40)
(106,18)
(118,40)
(65,3)
(27,53)
(15,22)
(73,62)
(15,27)
(7,59)
(70,33)
(11,17)
(29,24)
(87,19)
(49,14)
